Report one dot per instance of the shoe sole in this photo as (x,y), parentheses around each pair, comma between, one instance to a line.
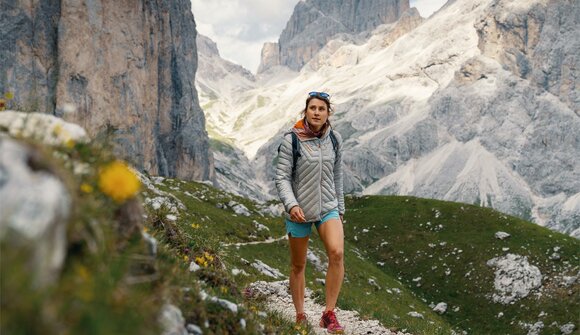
(331,332)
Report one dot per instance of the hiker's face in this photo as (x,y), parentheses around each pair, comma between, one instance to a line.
(316,114)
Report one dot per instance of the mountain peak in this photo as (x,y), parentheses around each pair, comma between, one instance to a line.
(206,45)
(315,22)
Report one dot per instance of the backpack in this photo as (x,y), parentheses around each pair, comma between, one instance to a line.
(296,149)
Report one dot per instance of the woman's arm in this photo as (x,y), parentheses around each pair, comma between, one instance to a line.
(284,174)
(338,180)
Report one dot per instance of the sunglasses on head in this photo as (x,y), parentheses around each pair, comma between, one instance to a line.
(322,95)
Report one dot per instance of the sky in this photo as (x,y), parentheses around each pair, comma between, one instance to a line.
(241,27)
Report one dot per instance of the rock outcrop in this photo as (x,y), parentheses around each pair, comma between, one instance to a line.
(128,67)
(315,22)
(270,56)
(34,208)
(539,44)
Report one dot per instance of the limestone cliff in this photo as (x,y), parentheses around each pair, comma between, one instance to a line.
(126,66)
(315,22)
(539,44)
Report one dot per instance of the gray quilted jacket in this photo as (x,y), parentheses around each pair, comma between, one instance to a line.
(317,187)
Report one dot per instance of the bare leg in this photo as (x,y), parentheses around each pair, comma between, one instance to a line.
(332,235)
(298,249)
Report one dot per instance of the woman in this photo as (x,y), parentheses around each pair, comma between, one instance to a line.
(312,193)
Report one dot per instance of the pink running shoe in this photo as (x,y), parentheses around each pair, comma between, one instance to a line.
(301,319)
(331,324)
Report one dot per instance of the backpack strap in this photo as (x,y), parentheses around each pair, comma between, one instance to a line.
(334,143)
(295,152)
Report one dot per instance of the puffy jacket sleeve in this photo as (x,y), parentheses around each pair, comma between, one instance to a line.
(338,180)
(284,174)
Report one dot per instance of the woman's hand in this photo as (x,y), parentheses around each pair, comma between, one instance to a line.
(296,214)
(341,218)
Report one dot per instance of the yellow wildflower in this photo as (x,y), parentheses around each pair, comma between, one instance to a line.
(9,95)
(224,289)
(118,181)
(194,226)
(199,260)
(86,188)
(57,130)
(83,273)
(186,258)
(70,143)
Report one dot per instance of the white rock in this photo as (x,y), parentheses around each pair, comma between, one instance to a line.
(43,127)
(34,210)
(236,272)
(440,308)
(226,303)
(533,329)
(416,315)
(373,282)
(151,241)
(316,261)
(172,321)
(273,210)
(567,328)
(194,329)
(569,280)
(266,269)
(260,226)
(515,278)
(502,235)
(194,267)
(239,208)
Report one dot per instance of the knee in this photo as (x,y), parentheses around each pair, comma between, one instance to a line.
(336,256)
(298,267)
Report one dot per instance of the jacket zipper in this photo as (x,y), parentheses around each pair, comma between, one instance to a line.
(320,178)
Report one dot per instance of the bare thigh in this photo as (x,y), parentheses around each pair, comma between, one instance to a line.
(298,250)
(332,235)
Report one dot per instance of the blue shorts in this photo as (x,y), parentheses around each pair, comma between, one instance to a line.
(303,229)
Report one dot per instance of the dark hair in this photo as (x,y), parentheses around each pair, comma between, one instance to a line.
(326,101)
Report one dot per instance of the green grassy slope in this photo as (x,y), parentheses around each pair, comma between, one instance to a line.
(448,246)
(390,242)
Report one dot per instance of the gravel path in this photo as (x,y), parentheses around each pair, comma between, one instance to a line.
(279,300)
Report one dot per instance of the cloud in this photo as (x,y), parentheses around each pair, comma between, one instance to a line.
(427,7)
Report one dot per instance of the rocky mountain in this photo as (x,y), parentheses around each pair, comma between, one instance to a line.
(315,22)
(128,67)
(477,104)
